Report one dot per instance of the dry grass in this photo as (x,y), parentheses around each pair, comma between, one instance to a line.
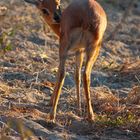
(28,65)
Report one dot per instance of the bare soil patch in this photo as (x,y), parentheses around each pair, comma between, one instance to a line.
(28,66)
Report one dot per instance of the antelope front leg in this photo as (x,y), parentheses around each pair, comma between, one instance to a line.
(58,87)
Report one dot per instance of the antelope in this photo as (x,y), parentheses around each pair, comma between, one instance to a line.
(80,28)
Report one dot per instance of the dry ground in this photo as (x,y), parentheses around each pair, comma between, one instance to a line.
(28,66)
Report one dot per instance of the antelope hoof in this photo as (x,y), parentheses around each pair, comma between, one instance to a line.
(91,117)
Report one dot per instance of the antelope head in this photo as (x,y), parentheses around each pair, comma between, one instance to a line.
(50,9)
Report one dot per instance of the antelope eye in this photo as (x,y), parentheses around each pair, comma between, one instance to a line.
(45,11)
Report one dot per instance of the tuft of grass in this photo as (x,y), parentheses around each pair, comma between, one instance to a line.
(117,121)
(5,40)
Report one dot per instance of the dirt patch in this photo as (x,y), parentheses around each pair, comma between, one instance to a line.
(28,66)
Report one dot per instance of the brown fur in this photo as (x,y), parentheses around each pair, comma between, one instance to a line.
(82,26)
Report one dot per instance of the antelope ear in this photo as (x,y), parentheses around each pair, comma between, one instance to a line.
(57,2)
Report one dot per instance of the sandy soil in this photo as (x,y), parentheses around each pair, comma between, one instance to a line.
(28,66)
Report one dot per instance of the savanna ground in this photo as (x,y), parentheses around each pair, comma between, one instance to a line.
(28,66)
